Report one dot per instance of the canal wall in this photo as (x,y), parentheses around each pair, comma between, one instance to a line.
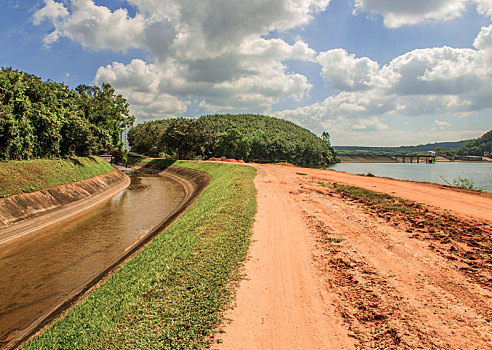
(25,213)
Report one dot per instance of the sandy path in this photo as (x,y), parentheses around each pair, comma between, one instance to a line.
(282,304)
(325,273)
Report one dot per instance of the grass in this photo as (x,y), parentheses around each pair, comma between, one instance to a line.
(171,295)
(22,176)
(377,200)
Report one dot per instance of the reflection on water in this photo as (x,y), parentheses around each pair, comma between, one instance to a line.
(479,172)
(39,271)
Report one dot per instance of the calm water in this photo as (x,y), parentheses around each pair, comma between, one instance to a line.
(39,271)
(479,172)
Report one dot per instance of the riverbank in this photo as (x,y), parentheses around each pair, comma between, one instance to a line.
(172,293)
(383,159)
(345,261)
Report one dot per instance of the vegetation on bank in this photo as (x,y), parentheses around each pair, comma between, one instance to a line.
(47,119)
(245,136)
(172,294)
(20,176)
(450,150)
(403,150)
(477,147)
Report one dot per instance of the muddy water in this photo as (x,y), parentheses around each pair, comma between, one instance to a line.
(40,271)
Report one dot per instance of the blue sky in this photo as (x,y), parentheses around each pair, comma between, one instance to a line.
(371,72)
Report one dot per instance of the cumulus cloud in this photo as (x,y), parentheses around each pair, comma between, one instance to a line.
(221,55)
(94,27)
(345,72)
(51,11)
(398,13)
(425,82)
(210,50)
(484,7)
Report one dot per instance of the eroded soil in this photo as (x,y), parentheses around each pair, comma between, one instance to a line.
(395,271)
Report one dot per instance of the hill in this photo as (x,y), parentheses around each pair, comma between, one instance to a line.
(274,139)
(477,147)
(250,137)
(404,150)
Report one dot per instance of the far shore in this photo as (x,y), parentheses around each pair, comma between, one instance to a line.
(389,159)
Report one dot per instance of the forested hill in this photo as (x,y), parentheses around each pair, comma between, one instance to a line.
(274,139)
(363,150)
(244,136)
(477,147)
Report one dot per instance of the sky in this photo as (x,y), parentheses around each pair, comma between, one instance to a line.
(370,72)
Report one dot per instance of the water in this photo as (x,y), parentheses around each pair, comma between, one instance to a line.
(479,172)
(39,271)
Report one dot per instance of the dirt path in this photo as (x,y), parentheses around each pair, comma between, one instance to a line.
(325,272)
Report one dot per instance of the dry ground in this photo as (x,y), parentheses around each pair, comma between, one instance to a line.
(329,270)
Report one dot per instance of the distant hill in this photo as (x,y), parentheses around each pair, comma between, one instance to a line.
(477,147)
(267,139)
(419,149)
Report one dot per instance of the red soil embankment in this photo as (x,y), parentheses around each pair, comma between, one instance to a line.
(25,213)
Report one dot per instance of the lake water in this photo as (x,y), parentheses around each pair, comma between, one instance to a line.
(479,172)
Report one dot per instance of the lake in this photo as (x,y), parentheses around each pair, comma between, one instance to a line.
(479,172)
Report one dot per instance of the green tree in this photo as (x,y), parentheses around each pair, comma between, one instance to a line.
(233,144)
(185,138)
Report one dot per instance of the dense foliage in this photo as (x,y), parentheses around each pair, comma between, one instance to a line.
(249,137)
(477,147)
(46,119)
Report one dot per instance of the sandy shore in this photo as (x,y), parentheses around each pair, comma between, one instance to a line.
(327,271)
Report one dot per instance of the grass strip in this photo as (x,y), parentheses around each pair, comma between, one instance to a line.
(171,295)
(20,176)
(381,201)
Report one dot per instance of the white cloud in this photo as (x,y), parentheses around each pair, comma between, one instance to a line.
(484,7)
(421,83)
(51,11)
(210,50)
(94,27)
(345,72)
(441,124)
(397,13)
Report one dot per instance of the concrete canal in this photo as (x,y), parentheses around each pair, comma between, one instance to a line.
(42,270)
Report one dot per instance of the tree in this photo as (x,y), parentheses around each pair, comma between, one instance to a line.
(325,136)
(185,138)
(233,144)
(45,119)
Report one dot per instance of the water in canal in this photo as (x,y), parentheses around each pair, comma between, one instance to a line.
(39,271)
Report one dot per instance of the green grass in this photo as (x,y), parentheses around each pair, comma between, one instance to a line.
(379,200)
(20,176)
(172,294)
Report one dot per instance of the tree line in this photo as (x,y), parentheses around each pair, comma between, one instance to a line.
(244,136)
(48,119)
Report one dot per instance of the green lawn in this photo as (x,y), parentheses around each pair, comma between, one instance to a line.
(19,176)
(172,294)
